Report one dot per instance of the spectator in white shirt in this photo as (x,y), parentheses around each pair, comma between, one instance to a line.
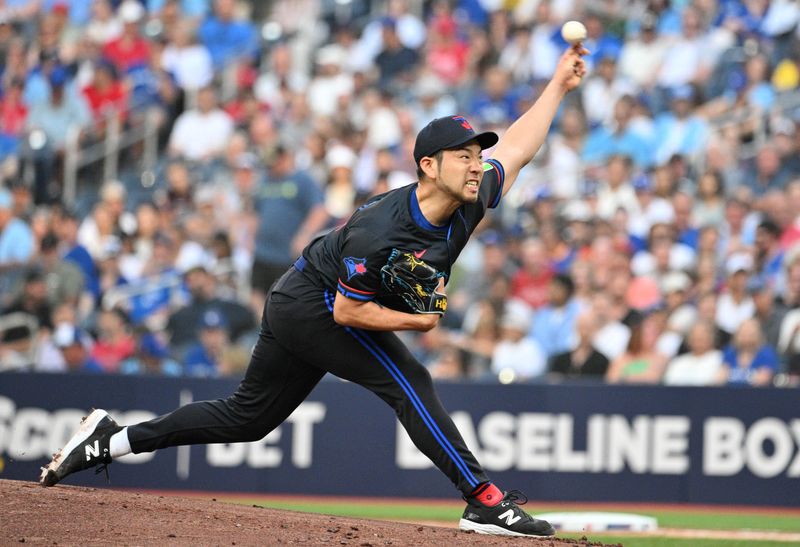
(544,52)
(281,79)
(616,191)
(517,357)
(685,61)
(104,25)
(331,83)
(675,286)
(663,253)
(699,367)
(564,163)
(735,305)
(641,57)
(187,60)
(202,133)
(603,90)
(516,54)
(611,338)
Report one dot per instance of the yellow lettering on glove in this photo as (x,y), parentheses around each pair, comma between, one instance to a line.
(413,261)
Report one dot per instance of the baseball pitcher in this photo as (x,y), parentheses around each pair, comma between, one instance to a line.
(335,310)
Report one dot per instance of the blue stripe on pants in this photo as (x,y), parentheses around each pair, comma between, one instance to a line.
(395,372)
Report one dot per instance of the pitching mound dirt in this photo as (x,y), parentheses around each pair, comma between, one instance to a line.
(68,515)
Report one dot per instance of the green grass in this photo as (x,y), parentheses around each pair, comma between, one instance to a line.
(672,518)
(447,513)
(724,521)
(372,511)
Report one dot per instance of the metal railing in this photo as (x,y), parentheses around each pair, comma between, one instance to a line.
(760,120)
(116,139)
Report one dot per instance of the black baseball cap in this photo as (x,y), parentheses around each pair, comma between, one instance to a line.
(449,132)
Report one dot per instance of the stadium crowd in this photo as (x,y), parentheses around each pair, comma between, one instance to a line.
(654,239)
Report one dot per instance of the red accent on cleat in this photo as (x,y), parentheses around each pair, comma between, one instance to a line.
(488,494)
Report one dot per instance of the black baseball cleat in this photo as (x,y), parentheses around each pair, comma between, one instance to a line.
(87,448)
(504,519)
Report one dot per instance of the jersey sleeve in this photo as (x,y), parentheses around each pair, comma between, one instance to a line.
(359,265)
(492,184)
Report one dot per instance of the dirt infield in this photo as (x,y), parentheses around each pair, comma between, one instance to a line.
(69,515)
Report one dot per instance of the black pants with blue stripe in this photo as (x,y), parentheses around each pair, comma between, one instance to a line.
(299,342)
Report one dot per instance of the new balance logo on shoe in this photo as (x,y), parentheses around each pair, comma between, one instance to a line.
(88,447)
(92,450)
(504,519)
(509,517)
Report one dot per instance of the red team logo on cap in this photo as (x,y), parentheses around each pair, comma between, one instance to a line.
(464,123)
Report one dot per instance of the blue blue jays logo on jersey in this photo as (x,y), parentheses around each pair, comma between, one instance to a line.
(355,266)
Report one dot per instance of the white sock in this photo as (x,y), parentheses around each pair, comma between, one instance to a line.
(119,445)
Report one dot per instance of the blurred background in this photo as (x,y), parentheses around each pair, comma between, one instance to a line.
(163,162)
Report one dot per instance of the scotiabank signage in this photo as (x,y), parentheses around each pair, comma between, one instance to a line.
(561,443)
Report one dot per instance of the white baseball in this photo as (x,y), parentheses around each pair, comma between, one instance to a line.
(573,32)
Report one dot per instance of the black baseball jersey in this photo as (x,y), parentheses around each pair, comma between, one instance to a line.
(351,257)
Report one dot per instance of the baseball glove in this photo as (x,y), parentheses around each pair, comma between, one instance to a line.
(415,282)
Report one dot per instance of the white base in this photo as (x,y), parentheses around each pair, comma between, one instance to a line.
(600,522)
(85,430)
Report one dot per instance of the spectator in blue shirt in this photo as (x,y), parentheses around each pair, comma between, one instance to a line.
(203,358)
(680,131)
(620,139)
(153,295)
(50,122)
(290,211)
(78,11)
(599,43)
(764,174)
(16,237)
(756,90)
(496,102)
(740,16)
(67,231)
(228,40)
(769,254)
(73,346)
(151,357)
(748,361)
(687,232)
(37,80)
(554,324)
